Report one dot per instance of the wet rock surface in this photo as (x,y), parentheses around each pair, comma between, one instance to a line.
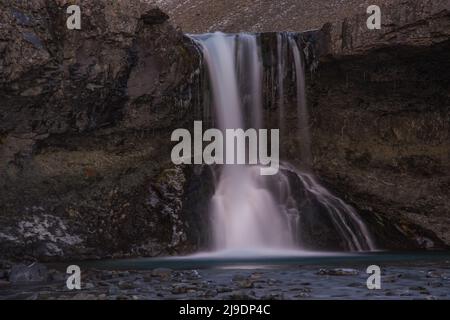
(85,123)
(386,114)
(27,274)
(417,281)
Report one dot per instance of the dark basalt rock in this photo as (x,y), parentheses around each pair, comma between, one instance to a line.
(85,123)
(380,136)
(27,274)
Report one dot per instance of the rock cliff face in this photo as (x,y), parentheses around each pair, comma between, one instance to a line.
(84,130)
(380,103)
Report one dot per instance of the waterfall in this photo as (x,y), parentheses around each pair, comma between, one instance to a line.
(302,111)
(290,210)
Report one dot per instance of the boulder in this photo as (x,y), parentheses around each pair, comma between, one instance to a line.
(28,274)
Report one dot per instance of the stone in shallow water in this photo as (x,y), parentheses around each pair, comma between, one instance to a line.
(240,295)
(180,289)
(210,293)
(273,296)
(435,284)
(247,283)
(56,276)
(84,296)
(89,286)
(239,277)
(224,289)
(33,273)
(392,278)
(301,295)
(107,275)
(163,273)
(191,275)
(103,284)
(435,274)
(356,285)
(126,285)
(256,276)
(113,290)
(4,283)
(338,272)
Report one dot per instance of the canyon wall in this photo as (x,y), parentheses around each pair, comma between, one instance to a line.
(381,119)
(85,123)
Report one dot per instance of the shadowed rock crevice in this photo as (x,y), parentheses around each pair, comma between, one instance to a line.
(381,136)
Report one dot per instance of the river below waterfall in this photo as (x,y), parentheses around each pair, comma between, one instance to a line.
(329,276)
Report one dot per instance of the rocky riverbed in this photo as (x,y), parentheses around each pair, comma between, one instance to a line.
(412,281)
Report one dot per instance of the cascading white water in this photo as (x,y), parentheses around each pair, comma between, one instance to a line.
(250,77)
(250,211)
(245,214)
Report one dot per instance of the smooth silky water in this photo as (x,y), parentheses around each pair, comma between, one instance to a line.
(270,260)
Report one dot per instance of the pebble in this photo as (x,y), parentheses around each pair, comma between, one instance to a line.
(179,289)
(256,276)
(35,272)
(124,274)
(89,286)
(45,295)
(113,290)
(391,278)
(125,285)
(107,275)
(4,283)
(338,272)
(224,289)
(103,284)
(54,275)
(84,296)
(302,295)
(435,284)
(210,293)
(273,296)
(239,277)
(356,285)
(163,273)
(434,274)
(192,275)
(245,284)
(240,295)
